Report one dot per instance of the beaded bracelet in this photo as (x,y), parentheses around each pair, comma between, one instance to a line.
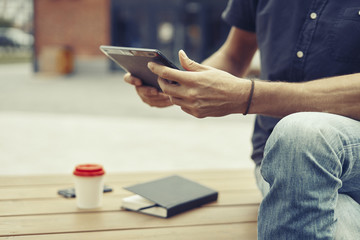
(250,96)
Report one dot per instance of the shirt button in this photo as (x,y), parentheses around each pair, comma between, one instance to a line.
(313,16)
(299,54)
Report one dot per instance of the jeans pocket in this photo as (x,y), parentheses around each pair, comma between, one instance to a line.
(345,36)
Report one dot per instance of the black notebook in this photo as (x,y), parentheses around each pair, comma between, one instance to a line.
(168,196)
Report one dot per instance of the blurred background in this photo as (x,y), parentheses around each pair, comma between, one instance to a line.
(63,103)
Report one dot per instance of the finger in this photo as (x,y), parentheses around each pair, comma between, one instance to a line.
(151,94)
(178,101)
(186,110)
(195,114)
(170,89)
(189,64)
(132,80)
(188,107)
(155,100)
(175,75)
(147,91)
(159,103)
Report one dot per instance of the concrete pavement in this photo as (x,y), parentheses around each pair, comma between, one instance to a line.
(48,124)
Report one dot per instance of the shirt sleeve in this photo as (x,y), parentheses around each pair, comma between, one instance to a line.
(241,14)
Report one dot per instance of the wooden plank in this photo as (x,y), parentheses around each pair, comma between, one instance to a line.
(110,203)
(31,209)
(126,177)
(50,191)
(243,231)
(105,221)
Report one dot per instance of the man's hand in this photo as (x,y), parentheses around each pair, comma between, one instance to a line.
(202,91)
(149,95)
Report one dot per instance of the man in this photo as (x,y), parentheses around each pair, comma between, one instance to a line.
(306,141)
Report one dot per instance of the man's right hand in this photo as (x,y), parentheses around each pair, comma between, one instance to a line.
(148,95)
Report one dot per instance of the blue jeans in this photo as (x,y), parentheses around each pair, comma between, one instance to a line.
(310,179)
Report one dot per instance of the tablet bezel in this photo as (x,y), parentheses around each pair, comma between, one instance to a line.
(134,61)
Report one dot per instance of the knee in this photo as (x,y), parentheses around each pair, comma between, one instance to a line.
(298,141)
(299,130)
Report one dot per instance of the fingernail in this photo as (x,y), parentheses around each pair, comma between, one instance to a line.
(150,65)
(182,52)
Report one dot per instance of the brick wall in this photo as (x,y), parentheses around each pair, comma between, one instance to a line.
(82,25)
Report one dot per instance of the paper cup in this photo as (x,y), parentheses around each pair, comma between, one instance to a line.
(89,185)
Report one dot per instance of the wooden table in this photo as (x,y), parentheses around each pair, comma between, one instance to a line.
(31,209)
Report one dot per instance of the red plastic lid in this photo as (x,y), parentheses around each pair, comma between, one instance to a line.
(89,170)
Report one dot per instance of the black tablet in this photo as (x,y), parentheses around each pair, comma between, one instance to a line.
(135,60)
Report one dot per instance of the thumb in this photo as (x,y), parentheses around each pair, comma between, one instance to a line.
(189,64)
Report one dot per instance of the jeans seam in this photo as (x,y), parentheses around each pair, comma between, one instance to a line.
(262,175)
(340,154)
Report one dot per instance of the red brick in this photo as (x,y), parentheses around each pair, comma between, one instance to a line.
(82,25)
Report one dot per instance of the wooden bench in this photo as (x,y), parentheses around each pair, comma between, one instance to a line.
(31,209)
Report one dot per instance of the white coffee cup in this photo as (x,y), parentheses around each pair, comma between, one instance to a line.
(89,185)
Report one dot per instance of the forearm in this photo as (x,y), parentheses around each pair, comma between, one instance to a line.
(338,95)
(236,53)
(222,61)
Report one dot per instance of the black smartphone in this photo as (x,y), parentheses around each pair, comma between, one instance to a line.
(135,60)
(70,192)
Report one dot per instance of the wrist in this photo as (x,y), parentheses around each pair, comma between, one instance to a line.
(249,101)
(277,99)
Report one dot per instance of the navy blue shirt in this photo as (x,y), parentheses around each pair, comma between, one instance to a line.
(298,40)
